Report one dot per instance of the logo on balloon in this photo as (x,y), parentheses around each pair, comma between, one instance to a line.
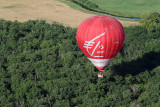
(93,48)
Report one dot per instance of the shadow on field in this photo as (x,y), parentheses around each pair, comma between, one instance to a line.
(148,61)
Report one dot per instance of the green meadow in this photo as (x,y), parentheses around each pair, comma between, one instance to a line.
(128,8)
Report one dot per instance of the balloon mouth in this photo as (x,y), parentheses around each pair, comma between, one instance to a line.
(100,64)
(100,68)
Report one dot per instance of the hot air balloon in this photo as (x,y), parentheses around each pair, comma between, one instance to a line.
(100,38)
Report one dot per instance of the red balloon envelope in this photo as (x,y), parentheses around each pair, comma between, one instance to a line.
(100,38)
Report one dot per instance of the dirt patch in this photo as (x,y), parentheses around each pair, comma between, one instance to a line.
(49,10)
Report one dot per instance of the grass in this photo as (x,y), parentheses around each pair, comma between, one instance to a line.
(13,6)
(74,6)
(125,8)
(129,8)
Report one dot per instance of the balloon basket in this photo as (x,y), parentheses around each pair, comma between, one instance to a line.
(100,75)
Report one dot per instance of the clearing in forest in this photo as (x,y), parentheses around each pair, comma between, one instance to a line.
(49,10)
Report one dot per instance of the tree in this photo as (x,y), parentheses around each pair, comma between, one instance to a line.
(151,22)
(41,65)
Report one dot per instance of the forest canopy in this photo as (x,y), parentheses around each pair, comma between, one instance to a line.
(41,65)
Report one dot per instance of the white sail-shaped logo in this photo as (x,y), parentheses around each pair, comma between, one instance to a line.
(89,45)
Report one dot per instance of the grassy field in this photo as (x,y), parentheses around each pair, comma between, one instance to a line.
(129,8)
(77,7)
(49,10)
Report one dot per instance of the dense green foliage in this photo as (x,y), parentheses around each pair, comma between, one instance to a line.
(152,23)
(88,4)
(125,8)
(42,66)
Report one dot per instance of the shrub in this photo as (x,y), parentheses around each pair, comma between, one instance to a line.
(88,4)
(151,22)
